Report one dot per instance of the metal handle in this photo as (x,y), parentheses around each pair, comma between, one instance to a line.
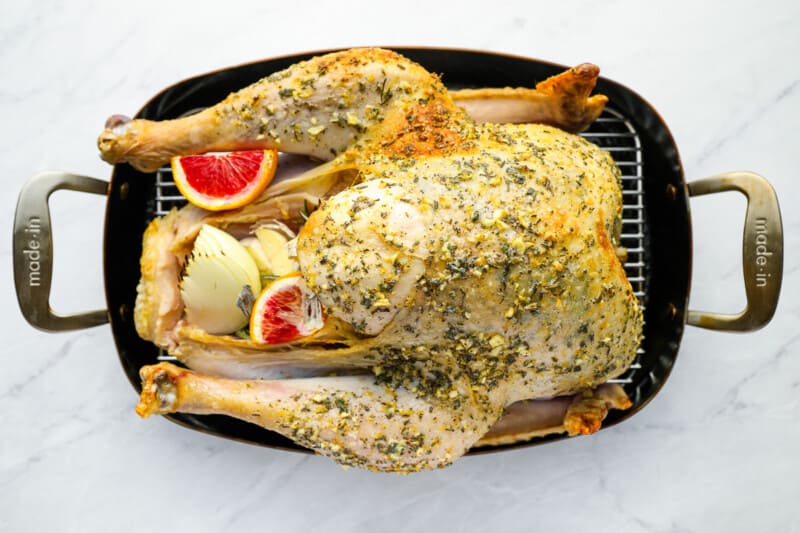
(33,251)
(762,251)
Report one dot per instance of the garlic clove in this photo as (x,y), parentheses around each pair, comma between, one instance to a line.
(256,251)
(276,250)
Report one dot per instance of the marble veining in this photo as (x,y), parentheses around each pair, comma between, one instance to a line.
(716,449)
(747,120)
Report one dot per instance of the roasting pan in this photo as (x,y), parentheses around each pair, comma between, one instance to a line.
(656,229)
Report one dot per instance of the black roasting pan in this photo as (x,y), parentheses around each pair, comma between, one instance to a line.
(657,225)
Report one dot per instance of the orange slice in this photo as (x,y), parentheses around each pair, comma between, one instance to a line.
(285,311)
(226,180)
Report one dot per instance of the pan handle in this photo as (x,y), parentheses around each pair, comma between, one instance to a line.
(33,251)
(762,251)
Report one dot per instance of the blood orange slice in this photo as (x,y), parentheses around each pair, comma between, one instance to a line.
(226,180)
(285,311)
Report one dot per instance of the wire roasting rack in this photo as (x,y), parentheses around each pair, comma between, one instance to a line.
(611,132)
(614,133)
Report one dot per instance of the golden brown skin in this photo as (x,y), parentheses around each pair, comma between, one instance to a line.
(465,266)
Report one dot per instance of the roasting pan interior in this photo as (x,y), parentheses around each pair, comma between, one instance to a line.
(656,229)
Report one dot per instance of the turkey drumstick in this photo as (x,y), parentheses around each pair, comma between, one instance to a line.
(349,418)
(318,107)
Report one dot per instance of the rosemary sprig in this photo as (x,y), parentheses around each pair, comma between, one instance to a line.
(306,211)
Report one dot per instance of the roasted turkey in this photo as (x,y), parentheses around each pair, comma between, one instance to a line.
(466,265)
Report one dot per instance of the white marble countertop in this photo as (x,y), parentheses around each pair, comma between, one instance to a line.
(716,450)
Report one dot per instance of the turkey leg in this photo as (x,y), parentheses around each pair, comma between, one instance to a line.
(350,418)
(318,107)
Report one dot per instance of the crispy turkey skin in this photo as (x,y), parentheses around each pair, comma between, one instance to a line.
(464,265)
